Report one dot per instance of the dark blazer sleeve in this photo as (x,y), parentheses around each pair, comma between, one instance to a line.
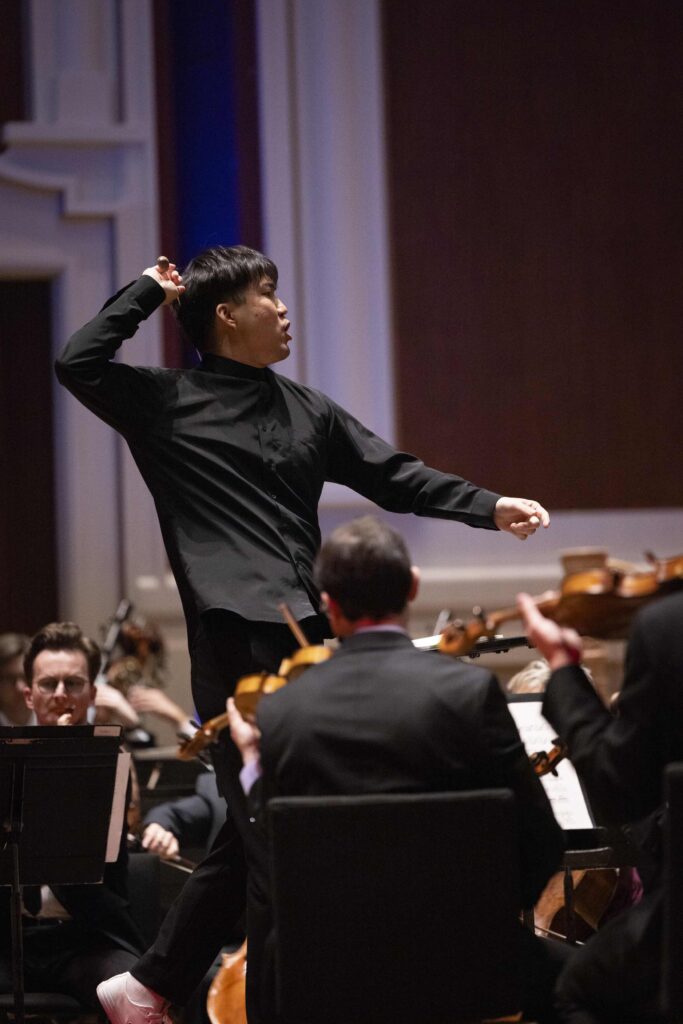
(619,759)
(125,397)
(189,819)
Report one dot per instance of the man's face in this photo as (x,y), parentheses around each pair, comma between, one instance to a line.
(260,335)
(60,684)
(12,686)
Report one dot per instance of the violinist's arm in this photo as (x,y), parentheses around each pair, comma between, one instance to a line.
(245,735)
(559,645)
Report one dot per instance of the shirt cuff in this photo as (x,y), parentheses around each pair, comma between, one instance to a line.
(249,775)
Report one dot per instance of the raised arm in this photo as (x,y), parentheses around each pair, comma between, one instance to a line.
(123,396)
(619,758)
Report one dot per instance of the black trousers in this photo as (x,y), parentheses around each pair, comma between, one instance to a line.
(224,648)
(61,957)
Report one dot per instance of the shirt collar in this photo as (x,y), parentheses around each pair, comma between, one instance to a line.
(231,368)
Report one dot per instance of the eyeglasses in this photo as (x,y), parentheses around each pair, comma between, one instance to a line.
(73,686)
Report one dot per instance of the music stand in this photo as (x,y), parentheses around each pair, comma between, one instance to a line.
(56,791)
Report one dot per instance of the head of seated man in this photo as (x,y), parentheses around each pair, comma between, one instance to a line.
(365,577)
(61,665)
(13,708)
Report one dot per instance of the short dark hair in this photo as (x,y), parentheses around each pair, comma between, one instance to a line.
(365,566)
(12,645)
(219,274)
(62,636)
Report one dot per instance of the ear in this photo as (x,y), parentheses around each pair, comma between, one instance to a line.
(414,583)
(331,608)
(93,693)
(28,697)
(224,313)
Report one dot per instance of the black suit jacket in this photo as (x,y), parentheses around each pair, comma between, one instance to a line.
(101,913)
(382,717)
(621,759)
(194,820)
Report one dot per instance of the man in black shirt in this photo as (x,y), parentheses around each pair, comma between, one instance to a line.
(235,457)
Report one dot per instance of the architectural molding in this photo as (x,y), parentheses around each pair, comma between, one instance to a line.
(78,190)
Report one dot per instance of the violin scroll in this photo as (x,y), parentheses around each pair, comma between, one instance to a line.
(545,762)
(206,734)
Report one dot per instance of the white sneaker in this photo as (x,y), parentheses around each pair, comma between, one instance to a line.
(126,1001)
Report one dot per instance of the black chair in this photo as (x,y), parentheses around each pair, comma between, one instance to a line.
(673,895)
(395,908)
(45,1006)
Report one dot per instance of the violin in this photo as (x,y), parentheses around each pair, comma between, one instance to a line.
(597,602)
(252,687)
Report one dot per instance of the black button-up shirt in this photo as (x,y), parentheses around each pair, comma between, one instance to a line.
(235,458)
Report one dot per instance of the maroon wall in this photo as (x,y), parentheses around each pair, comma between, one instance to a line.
(535,160)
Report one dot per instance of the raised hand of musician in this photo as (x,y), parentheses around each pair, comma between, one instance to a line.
(520,516)
(165,274)
(245,735)
(150,700)
(160,841)
(111,707)
(559,645)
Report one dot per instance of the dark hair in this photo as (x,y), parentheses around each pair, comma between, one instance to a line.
(12,645)
(62,636)
(220,274)
(365,566)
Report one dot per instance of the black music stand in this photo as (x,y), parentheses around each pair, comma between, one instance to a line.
(56,792)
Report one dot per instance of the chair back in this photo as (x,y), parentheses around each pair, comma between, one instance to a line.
(396,908)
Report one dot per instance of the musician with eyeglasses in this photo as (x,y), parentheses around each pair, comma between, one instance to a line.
(74,935)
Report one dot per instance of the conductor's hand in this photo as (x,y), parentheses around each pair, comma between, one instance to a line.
(520,516)
(159,840)
(559,645)
(169,279)
(245,735)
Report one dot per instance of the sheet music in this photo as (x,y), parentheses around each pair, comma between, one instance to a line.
(118,807)
(564,790)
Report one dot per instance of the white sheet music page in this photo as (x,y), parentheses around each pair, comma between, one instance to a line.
(564,790)
(118,808)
